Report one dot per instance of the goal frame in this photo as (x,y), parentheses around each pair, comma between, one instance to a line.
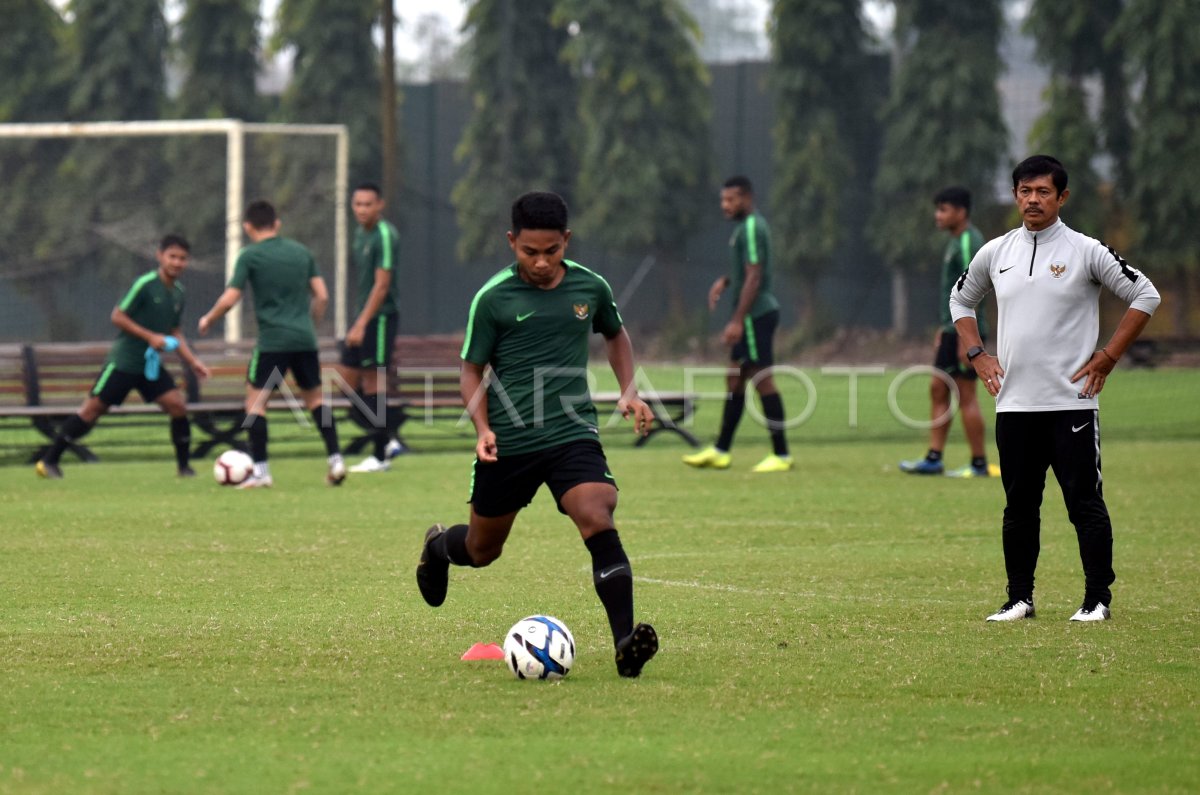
(235,131)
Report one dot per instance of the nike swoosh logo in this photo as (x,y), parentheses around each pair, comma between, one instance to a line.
(1006,270)
(1080,428)
(609,476)
(526,316)
(604,575)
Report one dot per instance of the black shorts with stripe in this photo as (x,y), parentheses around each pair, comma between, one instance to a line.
(757,346)
(113,386)
(508,484)
(946,359)
(268,368)
(376,347)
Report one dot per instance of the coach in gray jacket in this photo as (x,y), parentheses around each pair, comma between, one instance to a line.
(1047,373)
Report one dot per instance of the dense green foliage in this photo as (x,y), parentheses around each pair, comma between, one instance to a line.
(219,49)
(523,134)
(819,78)
(1163,38)
(335,72)
(645,179)
(942,124)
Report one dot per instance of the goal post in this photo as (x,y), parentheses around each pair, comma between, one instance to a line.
(235,132)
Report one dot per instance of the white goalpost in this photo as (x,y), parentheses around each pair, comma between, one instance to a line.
(235,132)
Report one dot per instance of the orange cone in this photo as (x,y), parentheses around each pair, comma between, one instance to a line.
(483,651)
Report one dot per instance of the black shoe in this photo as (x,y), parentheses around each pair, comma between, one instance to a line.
(48,470)
(433,575)
(636,650)
(186,471)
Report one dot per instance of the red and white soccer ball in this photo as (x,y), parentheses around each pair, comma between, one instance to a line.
(232,467)
(539,647)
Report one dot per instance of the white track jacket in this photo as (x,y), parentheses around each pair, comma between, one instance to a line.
(1047,287)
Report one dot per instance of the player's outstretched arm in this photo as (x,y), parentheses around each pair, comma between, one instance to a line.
(620,357)
(227,301)
(189,356)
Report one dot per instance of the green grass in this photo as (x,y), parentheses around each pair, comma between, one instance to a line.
(821,631)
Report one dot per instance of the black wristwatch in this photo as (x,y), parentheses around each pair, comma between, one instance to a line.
(975,350)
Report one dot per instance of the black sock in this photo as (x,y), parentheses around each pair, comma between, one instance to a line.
(256,429)
(933,456)
(735,404)
(613,578)
(75,427)
(181,437)
(377,419)
(979,462)
(323,416)
(451,546)
(772,406)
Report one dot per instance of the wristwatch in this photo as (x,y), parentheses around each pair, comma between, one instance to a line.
(975,350)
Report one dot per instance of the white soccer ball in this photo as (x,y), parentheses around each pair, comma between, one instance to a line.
(232,467)
(539,647)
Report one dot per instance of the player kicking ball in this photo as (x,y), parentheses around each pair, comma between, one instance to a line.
(531,323)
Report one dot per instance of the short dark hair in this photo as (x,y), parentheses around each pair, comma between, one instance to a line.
(955,195)
(260,214)
(539,210)
(1040,166)
(741,183)
(174,241)
(371,186)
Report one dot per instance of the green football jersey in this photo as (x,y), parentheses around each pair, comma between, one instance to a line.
(751,243)
(374,250)
(956,259)
(537,344)
(278,270)
(153,305)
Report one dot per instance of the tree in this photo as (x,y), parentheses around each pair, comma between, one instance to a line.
(645,174)
(1163,40)
(33,88)
(117,58)
(522,133)
(820,69)
(1070,35)
(942,125)
(218,44)
(335,72)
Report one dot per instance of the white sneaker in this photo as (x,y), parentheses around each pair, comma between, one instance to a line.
(1013,611)
(372,464)
(337,470)
(256,482)
(394,448)
(1098,611)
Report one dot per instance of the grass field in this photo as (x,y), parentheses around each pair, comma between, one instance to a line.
(821,630)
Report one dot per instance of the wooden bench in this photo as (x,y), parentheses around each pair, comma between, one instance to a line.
(45,383)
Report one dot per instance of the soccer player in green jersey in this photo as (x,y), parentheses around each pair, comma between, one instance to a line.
(289,297)
(536,424)
(367,349)
(952,214)
(750,331)
(147,320)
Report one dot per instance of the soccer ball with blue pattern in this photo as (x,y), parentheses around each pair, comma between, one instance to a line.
(539,647)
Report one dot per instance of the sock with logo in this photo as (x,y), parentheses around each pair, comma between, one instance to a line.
(377,420)
(933,456)
(613,578)
(979,462)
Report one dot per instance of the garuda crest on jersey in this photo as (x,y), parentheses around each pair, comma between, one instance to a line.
(581,311)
